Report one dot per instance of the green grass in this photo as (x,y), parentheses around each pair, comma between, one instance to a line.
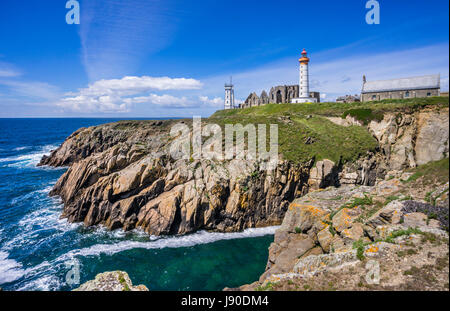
(331,229)
(365,115)
(123,282)
(304,131)
(369,212)
(337,109)
(298,122)
(436,171)
(361,202)
(391,198)
(398,233)
(330,141)
(359,246)
(267,287)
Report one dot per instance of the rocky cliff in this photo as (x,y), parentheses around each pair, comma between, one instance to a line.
(391,236)
(120,175)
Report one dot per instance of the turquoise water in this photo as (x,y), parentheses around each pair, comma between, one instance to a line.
(38,250)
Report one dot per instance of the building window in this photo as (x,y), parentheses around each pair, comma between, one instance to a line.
(407,94)
(374,97)
(429,94)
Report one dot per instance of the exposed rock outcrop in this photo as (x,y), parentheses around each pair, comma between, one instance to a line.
(134,184)
(116,281)
(120,176)
(333,233)
(408,140)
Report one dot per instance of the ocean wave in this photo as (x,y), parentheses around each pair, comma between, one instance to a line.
(41,194)
(21,148)
(47,282)
(30,226)
(29,159)
(10,270)
(201,237)
(44,217)
(43,276)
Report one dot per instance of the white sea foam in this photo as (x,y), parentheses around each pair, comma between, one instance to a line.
(201,237)
(46,217)
(21,148)
(47,282)
(29,159)
(37,194)
(43,275)
(10,270)
(42,219)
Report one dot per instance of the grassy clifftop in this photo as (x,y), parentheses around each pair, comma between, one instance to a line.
(305,133)
(302,138)
(337,109)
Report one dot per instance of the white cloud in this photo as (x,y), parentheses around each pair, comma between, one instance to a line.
(119,95)
(161,100)
(131,85)
(8,71)
(213,102)
(5,73)
(82,103)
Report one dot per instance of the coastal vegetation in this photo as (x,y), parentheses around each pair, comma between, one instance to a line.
(305,132)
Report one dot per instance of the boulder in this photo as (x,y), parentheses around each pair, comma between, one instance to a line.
(343,219)
(325,237)
(304,217)
(111,281)
(415,220)
(388,187)
(390,214)
(285,255)
(354,233)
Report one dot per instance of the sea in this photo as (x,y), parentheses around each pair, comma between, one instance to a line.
(39,251)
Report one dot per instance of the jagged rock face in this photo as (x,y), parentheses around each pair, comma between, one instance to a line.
(86,141)
(432,137)
(131,185)
(405,139)
(322,234)
(306,228)
(120,176)
(408,140)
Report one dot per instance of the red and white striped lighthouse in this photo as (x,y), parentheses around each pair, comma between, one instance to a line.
(304,81)
(304,76)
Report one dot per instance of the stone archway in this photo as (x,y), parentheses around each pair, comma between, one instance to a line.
(290,96)
(279,97)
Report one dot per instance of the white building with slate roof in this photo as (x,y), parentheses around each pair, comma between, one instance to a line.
(423,86)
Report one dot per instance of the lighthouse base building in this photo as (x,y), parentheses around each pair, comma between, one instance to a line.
(303,100)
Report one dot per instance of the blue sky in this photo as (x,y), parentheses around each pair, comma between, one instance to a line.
(163,58)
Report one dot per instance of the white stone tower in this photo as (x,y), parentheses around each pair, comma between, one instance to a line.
(229,95)
(304,82)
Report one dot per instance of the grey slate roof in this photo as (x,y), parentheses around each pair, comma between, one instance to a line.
(412,83)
